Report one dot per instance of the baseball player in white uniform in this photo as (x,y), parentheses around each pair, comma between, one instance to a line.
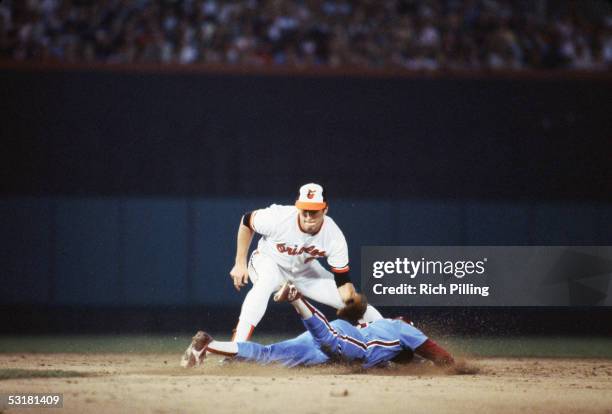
(293,238)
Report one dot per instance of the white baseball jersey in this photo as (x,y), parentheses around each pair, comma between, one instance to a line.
(293,249)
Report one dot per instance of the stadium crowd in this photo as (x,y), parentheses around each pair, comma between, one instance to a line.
(419,35)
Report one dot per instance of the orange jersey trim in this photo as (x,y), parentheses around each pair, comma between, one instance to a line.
(341,269)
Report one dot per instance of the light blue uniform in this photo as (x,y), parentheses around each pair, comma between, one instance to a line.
(377,343)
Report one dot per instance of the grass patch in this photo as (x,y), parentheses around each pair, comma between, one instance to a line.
(92,344)
(535,346)
(546,347)
(15,373)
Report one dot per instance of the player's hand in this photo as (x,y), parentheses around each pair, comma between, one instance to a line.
(347,292)
(240,275)
(353,309)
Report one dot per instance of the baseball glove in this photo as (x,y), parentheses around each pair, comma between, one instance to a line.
(354,308)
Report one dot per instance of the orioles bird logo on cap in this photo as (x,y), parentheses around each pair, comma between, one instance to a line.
(311,194)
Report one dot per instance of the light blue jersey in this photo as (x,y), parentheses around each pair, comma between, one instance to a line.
(374,344)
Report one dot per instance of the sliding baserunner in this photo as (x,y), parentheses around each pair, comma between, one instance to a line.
(370,345)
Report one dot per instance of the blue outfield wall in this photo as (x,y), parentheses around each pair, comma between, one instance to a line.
(124,188)
(136,251)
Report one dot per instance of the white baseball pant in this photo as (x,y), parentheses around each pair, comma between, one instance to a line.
(314,282)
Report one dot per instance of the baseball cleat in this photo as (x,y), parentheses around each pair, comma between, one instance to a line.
(196,351)
(287,293)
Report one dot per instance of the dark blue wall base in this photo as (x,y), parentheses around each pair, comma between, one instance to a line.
(282,318)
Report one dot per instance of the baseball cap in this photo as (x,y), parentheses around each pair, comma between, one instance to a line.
(312,197)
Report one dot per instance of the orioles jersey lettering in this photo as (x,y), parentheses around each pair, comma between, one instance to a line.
(311,250)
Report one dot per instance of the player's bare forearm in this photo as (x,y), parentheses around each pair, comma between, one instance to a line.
(240,272)
(243,242)
(347,291)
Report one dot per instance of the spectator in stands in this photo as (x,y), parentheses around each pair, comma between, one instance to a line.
(425,35)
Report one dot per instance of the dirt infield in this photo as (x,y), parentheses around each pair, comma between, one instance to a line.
(153,383)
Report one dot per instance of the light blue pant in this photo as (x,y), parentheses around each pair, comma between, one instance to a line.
(323,342)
